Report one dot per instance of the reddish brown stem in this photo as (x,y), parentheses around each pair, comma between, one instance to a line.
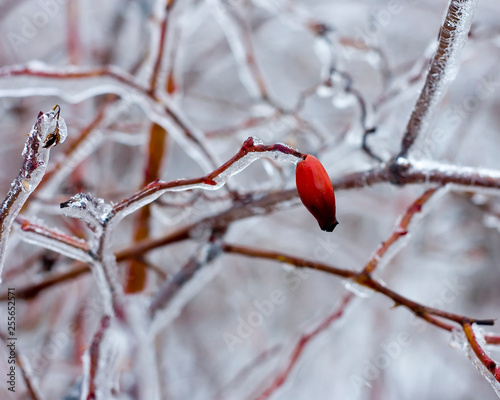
(492,339)
(73,32)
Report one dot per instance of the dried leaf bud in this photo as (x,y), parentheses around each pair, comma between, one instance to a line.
(316,192)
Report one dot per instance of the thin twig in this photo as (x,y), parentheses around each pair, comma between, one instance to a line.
(215,179)
(360,278)
(398,232)
(95,354)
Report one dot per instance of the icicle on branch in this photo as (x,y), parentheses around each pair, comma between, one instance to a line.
(49,130)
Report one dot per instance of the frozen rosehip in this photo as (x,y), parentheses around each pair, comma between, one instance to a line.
(316,192)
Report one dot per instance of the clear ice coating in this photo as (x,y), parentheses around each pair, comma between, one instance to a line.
(38,237)
(49,130)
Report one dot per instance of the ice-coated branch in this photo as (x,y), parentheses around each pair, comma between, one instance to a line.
(49,130)
(93,211)
(252,150)
(166,12)
(82,145)
(43,71)
(32,290)
(443,69)
(409,172)
(38,234)
(247,370)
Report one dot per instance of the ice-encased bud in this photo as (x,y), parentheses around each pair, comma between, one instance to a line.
(53,128)
(93,211)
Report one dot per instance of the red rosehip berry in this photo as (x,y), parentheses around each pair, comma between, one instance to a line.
(316,192)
